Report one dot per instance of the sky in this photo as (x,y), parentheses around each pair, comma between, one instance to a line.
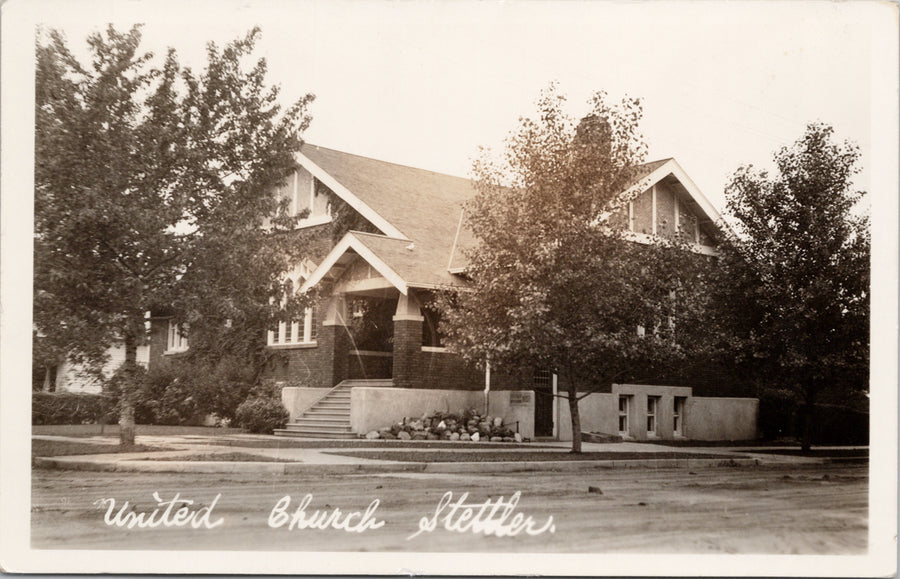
(426,84)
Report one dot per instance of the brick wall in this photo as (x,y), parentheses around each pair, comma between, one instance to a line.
(407,348)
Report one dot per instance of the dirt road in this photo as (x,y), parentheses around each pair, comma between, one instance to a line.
(785,509)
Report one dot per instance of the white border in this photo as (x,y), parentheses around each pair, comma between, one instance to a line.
(16,181)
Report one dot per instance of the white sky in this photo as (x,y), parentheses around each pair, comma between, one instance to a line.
(427,83)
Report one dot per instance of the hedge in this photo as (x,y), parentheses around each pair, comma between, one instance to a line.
(71,408)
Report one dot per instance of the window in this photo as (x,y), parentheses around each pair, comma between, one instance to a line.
(176,341)
(678,416)
(302,331)
(652,411)
(624,407)
(431,338)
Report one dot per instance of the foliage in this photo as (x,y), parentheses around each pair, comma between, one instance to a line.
(262,414)
(794,301)
(152,186)
(554,284)
(70,408)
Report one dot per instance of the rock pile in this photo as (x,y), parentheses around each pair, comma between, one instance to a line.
(468,426)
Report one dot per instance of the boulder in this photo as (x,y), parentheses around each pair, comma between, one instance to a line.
(517,437)
(419,435)
(508,439)
(372,435)
(454,436)
(496,439)
(476,437)
(464,437)
(432,436)
(403,435)
(387,435)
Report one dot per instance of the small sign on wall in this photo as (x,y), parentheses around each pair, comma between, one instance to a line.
(519,398)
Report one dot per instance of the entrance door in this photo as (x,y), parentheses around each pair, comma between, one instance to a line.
(543,403)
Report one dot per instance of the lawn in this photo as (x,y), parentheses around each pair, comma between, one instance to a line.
(140,429)
(523,456)
(363,443)
(222,457)
(68,448)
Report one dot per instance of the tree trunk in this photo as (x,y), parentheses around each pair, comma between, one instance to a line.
(576,418)
(129,387)
(807,411)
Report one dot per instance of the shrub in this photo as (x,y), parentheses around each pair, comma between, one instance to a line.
(71,408)
(261,414)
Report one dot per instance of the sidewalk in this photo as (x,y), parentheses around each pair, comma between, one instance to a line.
(319,460)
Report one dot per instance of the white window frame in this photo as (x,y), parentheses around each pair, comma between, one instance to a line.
(175,340)
(653,415)
(297,332)
(678,415)
(312,219)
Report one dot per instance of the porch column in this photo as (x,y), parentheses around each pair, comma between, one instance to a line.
(408,321)
(333,342)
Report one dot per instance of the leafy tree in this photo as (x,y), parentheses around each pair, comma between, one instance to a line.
(554,284)
(795,300)
(153,184)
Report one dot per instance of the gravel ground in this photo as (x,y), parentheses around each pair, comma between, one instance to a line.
(786,509)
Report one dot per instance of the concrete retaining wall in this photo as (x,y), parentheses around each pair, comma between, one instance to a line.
(704,418)
(597,413)
(721,418)
(373,408)
(296,400)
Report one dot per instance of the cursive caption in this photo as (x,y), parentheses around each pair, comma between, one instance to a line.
(497,517)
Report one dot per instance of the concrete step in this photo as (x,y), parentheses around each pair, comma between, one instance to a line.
(332,404)
(323,419)
(319,411)
(318,426)
(314,434)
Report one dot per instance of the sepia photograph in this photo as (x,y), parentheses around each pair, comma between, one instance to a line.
(578,288)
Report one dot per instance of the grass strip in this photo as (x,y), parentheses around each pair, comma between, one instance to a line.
(515,456)
(221,457)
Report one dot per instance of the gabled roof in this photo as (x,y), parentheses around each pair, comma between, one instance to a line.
(651,173)
(405,203)
(419,214)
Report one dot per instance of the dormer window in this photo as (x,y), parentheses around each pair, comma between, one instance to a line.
(309,194)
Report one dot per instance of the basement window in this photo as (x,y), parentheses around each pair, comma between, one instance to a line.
(624,408)
(652,415)
(678,416)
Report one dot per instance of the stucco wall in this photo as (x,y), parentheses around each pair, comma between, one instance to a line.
(721,418)
(597,413)
(704,418)
(296,400)
(373,408)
